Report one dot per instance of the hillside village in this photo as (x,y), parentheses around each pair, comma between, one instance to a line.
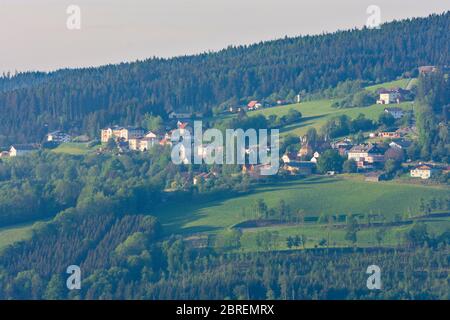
(378,155)
(94,198)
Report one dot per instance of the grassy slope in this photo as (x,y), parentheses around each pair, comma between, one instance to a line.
(14,234)
(315,195)
(316,113)
(401,83)
(314,233)
(73,148)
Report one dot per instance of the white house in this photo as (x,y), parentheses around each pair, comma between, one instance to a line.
(151,135)
(388,97)
(142,144)
(121,133)
(58,136)
(423,172)
(20,150)
(254,105)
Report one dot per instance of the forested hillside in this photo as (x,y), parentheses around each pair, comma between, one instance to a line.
(82,101)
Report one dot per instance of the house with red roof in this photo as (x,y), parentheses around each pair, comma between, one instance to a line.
(254,105)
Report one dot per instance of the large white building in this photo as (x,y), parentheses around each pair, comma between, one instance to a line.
(389,97)
(121,133)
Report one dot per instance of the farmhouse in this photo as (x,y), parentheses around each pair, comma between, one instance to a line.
(427,69)
(366,156)
(121,133)
(19,150)
(391,96)
(254,105)
(397,113)
(424,172)
(58,137)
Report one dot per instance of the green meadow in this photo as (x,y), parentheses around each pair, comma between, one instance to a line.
(315,195)
(400,83)
(314,233)
(14,234)
(317,113)
(73,148)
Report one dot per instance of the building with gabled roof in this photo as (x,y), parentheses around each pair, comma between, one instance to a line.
(121,133)
(254,105)
(366,156)
(22,149)
(423,172)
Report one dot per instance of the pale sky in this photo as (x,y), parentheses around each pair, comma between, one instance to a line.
(34,35)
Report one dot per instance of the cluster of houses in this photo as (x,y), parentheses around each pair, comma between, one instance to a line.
(139,139)
(303,162)
(369,157)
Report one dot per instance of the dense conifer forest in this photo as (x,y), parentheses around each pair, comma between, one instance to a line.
(82,101)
